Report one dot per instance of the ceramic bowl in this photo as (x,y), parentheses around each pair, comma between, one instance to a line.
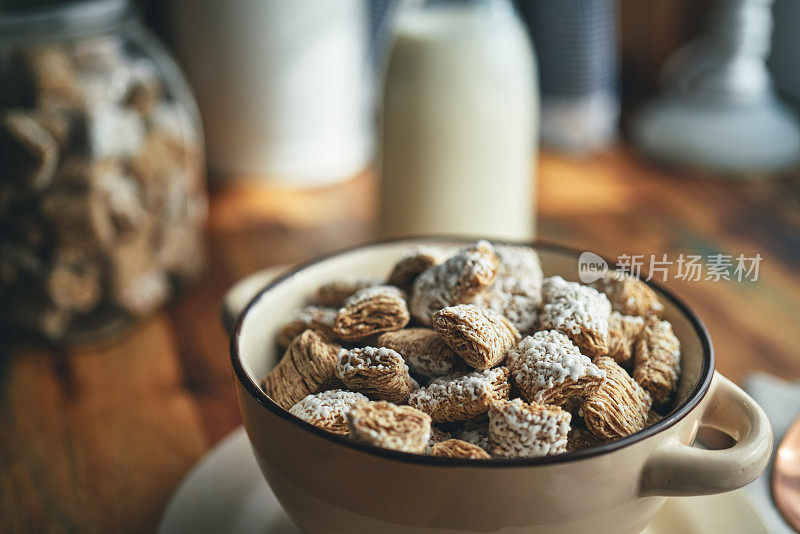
(330,484)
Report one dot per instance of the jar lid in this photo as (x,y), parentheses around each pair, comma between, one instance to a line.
(32,18)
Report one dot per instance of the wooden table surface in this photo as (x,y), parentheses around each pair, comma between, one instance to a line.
(96,440)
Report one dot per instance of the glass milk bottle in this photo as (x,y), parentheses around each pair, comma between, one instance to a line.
(458,124)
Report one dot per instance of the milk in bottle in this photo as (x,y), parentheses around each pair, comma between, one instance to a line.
(458,122)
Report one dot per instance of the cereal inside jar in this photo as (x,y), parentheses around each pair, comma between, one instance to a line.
(102,194)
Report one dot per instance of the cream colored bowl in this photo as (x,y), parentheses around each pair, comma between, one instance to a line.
(329,484)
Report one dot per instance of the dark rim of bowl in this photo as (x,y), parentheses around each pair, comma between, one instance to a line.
(696,395)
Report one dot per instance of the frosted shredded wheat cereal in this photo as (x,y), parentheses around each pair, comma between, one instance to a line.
(629,295)
(308,366)
(480,336)
(455,448)
(517,291)
(565,376)
(387,425)
(423,350)
(333,294)
(414,262)
(518,429)
(658,360)
(548,368)
(619,408)
(623,333)
(328,410)
(315,317)
(369,311)
(460,397)
(578,311)
(378,373)
(454,281)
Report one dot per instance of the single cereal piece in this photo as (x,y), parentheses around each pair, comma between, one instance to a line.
(454,281)
(623,333)
(307,367)
(423,350)
(333,294)
(371,310)
(519,429)
(658,360)
(480,336)
(387,425)
(629,295)
(455,448)
(549,369)
(578,311)
(619,408)
(413,263)
(378,373)
(316,317)
(580,438)
(460,397)
(328,410)
(517,291)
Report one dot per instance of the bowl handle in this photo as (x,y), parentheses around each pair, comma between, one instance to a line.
(242,292)
(675,469)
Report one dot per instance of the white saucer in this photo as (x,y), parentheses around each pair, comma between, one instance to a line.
(225,492)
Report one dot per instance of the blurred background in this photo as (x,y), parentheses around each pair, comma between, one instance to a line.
(154,152)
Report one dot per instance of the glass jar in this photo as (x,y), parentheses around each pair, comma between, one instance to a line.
(102,194)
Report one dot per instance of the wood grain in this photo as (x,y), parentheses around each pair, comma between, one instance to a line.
(95,440)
